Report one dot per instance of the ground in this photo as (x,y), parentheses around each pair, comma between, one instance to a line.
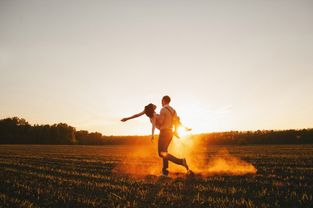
(88,176)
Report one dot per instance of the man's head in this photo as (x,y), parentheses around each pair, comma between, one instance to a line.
(166,100)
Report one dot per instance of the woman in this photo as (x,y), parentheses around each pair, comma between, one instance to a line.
(149,110)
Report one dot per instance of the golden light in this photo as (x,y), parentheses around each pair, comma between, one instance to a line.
(182,131)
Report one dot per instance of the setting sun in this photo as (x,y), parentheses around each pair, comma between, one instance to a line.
(155,103)
(183,131)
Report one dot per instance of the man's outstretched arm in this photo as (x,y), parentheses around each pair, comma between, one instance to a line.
(133,116)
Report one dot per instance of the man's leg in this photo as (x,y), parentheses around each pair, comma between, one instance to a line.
(177,161)
(165,165)
(165,139)
(162,150)
(174,159)
(170,157)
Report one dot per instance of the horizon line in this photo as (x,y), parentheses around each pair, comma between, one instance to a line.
(143,135)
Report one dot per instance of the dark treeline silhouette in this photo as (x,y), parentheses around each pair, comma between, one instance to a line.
(18,131)
(301,136)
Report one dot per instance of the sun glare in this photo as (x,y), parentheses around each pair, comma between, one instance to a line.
(182,132)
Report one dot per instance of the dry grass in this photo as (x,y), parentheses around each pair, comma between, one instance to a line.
(86,176)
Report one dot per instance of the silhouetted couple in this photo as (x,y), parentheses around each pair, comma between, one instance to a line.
(167,122)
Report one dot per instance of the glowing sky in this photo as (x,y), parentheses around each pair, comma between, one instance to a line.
(241,65)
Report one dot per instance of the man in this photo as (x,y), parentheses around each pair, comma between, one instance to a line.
(165,122)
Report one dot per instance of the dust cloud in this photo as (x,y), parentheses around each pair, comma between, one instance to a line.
(203,160)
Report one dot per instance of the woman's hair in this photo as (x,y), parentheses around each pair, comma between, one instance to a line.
(149,110)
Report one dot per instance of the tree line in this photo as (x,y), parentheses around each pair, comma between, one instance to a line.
(18,131)
(291,136)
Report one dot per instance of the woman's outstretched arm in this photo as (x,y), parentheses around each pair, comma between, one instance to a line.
(134,116)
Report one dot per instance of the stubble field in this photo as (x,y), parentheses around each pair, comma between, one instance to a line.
(106,176)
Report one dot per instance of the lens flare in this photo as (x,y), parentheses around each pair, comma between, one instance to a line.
(181,131)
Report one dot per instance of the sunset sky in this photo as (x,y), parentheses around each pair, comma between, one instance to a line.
(227,65)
